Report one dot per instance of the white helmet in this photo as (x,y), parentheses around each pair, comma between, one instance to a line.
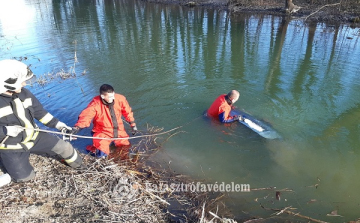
(12,74)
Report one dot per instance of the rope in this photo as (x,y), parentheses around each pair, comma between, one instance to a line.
(91,137)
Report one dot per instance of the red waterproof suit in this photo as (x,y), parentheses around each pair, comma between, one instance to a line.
(220,109)
(105,120)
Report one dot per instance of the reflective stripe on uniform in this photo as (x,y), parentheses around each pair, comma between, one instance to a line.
(29,128)
(5,111)
(17,146)
(29,145)
(72,158)
(27,103)
(46,119)
(35,135)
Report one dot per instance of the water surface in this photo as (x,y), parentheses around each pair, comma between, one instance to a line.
(172,62)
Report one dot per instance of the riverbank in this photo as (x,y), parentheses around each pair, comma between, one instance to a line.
(332,12)
(109,190)
(105,192)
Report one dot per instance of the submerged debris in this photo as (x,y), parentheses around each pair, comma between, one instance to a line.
(44,79)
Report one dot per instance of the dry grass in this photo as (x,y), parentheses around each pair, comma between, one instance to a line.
(107,191)
(104,192)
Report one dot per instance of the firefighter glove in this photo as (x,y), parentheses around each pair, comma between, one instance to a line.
(60,126)
(13,131)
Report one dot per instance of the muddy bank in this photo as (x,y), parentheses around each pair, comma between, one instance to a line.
(328,11)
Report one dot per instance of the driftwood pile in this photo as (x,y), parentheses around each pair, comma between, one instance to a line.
(107,191)
(103,192)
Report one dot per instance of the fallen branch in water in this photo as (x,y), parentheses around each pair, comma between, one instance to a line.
(215,216)
(271,188)
(280,211)
(320,9)
(157,197)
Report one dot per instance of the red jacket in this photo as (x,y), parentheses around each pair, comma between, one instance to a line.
(100,114)
(220,110)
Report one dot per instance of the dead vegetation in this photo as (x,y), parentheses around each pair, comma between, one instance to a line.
(113,190)
(104,192)
(107,191)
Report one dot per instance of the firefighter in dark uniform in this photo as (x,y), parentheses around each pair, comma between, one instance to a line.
(18,131)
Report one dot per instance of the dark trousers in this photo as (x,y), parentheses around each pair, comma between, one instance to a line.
(17,163)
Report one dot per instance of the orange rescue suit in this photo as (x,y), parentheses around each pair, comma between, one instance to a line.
(100,113)
(220,110)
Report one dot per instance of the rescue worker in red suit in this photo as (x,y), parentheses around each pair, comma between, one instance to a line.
(106,110)
(220,109)
(19,135)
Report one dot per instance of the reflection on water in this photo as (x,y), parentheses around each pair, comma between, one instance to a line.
(172,62)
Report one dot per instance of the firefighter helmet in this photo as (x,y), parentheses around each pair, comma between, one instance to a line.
(12,74)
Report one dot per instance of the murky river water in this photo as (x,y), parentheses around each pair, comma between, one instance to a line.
(172,62)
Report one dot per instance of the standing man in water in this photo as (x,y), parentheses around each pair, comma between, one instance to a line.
(106,110)
(18,131)
(221,107)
